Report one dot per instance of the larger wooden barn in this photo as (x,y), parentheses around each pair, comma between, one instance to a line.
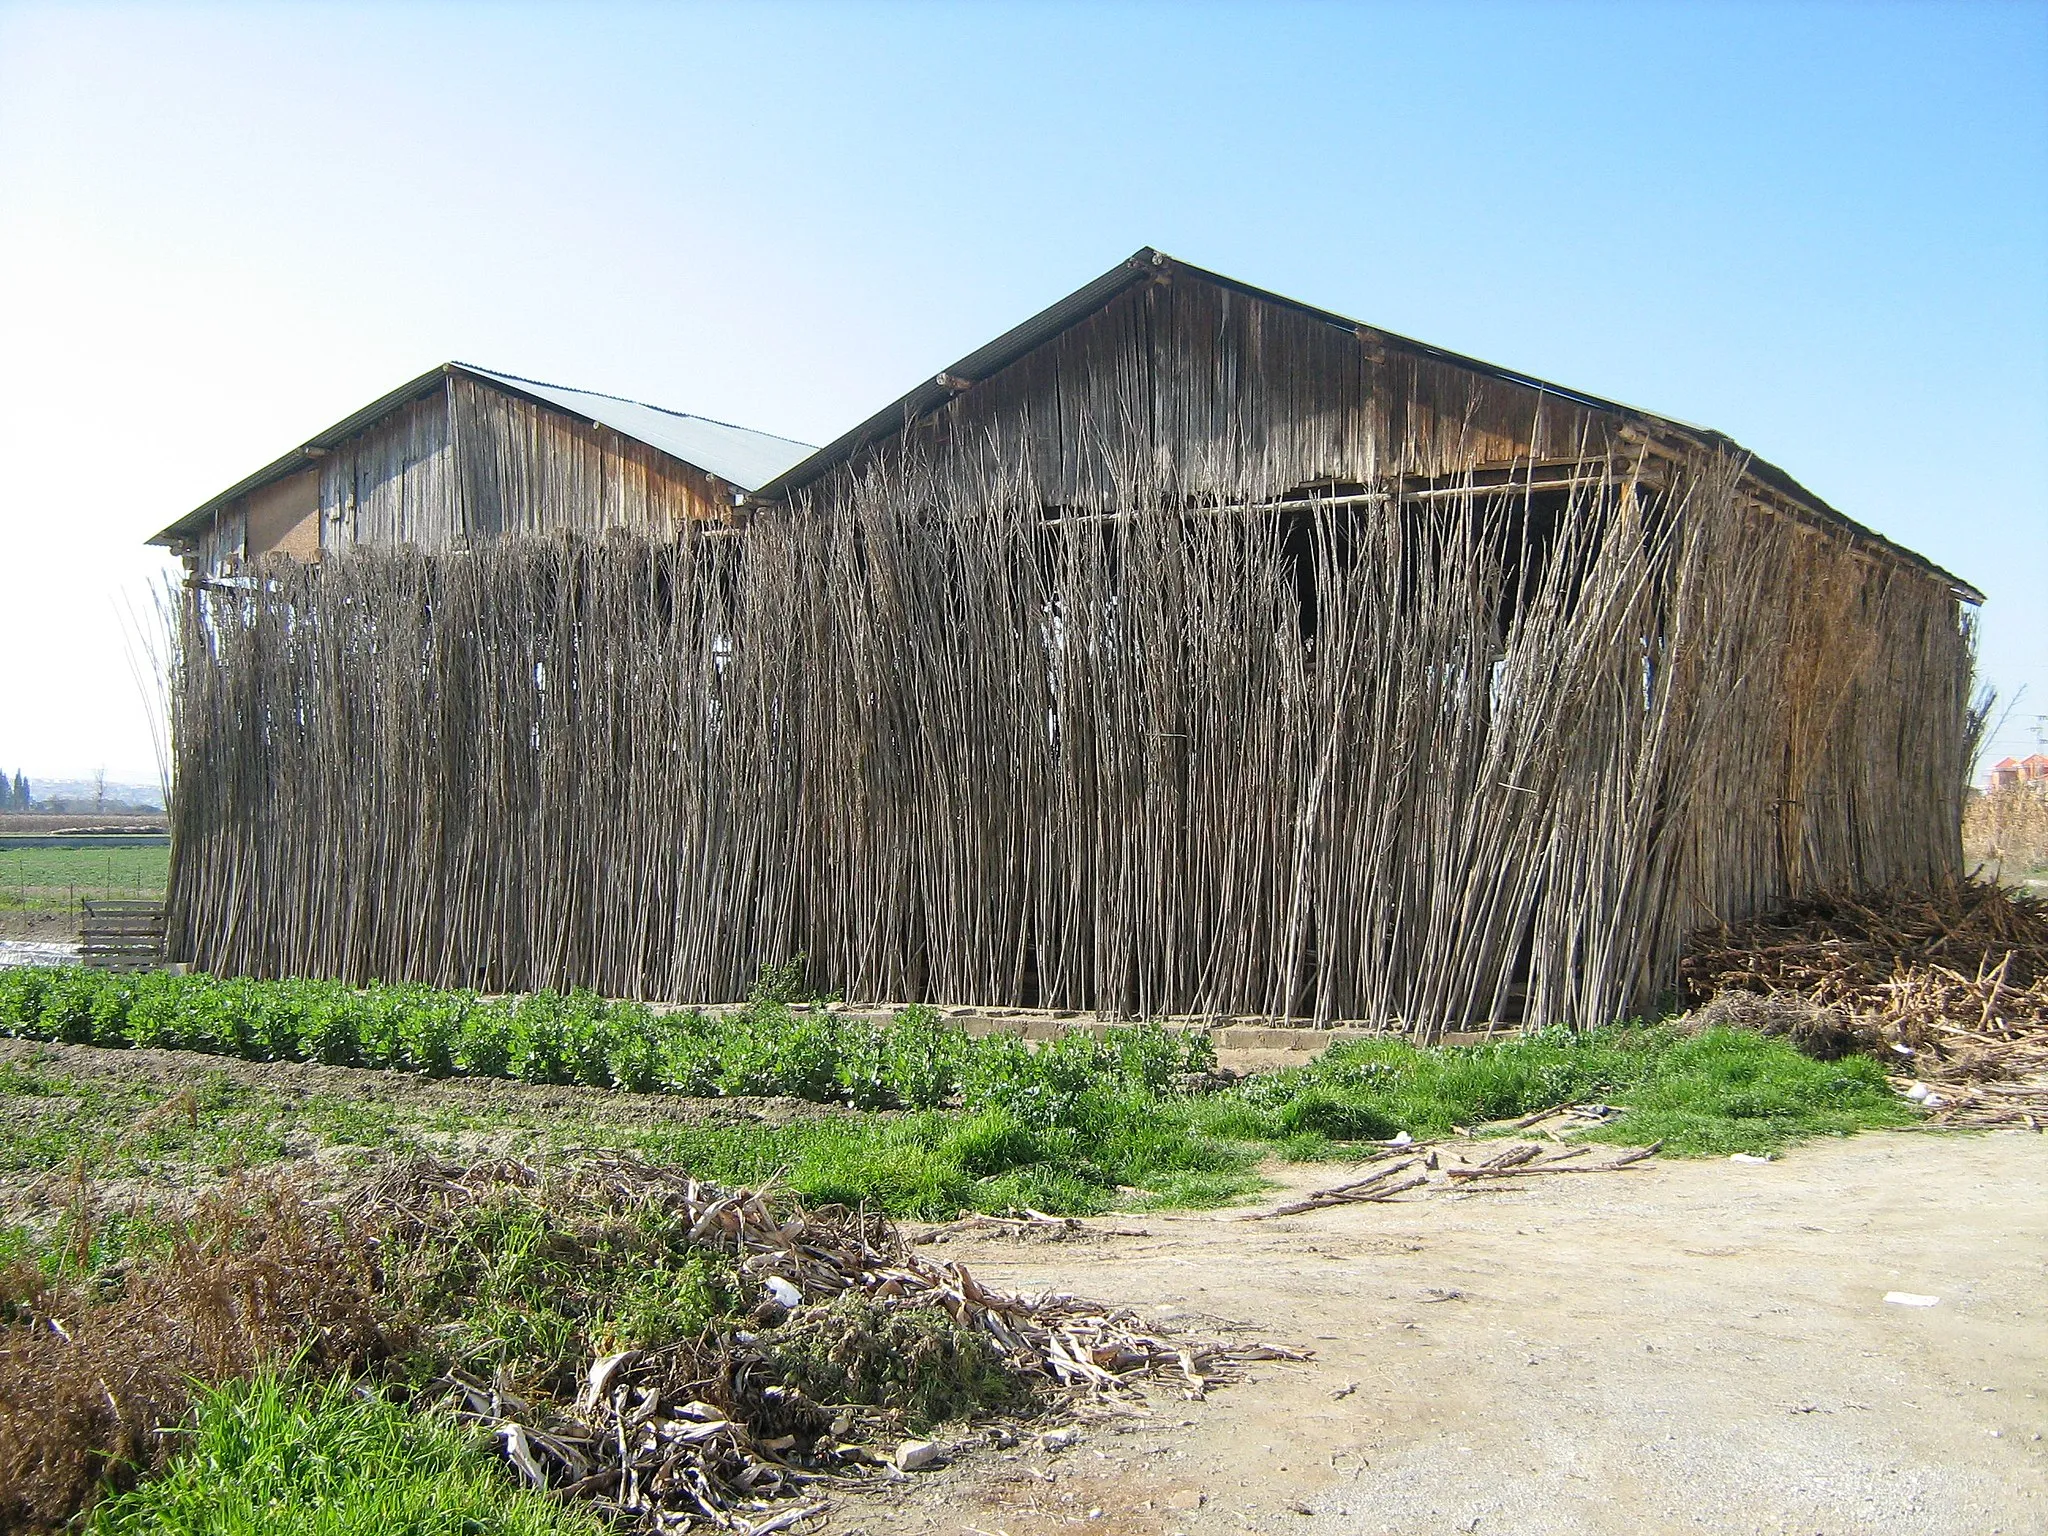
(1185,650)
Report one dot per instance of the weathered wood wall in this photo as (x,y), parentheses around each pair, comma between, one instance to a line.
(528,469)
(465,464)
(395,483)
(1197,391)
(1008,713)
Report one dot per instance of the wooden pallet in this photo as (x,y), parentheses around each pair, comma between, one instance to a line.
(122,935)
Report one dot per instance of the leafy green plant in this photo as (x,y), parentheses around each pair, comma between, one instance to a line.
(914,1061)
(1075,1124)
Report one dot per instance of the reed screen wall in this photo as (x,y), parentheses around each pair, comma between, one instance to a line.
(950,745)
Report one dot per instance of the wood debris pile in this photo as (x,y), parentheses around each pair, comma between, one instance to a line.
(1435,1166)
(704,1432)
(1948,983)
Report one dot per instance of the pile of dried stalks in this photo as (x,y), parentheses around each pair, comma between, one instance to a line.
(1950,982)
(723,1428)
(706,1431)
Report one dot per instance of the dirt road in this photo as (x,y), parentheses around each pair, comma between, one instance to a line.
(1695,1347)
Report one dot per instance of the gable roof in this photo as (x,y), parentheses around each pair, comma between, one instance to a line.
(1143,266)
(737,455)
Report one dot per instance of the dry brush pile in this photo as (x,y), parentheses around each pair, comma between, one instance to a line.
(672,1352)
(1949,982)
(93,1372)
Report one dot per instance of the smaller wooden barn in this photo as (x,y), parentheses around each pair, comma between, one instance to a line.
(463,455)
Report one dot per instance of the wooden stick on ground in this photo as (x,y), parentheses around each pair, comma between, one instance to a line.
(1377,1187)
(1555,1165)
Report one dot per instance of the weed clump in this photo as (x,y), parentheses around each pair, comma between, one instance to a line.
(500,1273)
(915,1361)
(92,1366)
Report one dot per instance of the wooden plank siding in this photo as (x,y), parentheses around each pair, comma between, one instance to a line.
(394,483)
(466,463)
(1241,400)
(528,469)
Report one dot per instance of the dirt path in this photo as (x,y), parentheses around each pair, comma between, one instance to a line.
(1695,1347)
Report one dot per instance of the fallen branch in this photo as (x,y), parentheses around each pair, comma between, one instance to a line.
(1322,1199)
(1561,1164)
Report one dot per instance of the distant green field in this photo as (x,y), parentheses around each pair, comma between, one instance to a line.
(54,877)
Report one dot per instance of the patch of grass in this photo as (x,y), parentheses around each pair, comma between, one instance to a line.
(531,1291)
(50,1120)
(32,877)
(300,1458)
(935,1165)
(1729,1090)
(1056,1138)
(1707,1094)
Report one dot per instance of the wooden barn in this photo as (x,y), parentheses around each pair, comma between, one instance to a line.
(1186,650)
(461,454)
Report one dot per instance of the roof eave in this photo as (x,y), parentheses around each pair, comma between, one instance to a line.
(190,524)
(1149,263)
(969,370)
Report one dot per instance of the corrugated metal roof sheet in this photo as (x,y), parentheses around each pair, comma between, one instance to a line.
(738,455)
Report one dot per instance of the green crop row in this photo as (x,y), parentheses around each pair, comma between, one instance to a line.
(913,1061)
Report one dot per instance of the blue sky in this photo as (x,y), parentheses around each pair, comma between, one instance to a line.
(1822,229)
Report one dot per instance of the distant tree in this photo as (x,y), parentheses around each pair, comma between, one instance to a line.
(23,800)
(99,793)
(6,793)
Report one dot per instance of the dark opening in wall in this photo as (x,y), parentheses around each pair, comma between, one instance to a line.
(1509,519)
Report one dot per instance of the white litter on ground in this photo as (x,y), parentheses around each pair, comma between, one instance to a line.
(36,952)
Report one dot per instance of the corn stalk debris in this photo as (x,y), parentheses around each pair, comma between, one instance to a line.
(1948,982)
(705,1433)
